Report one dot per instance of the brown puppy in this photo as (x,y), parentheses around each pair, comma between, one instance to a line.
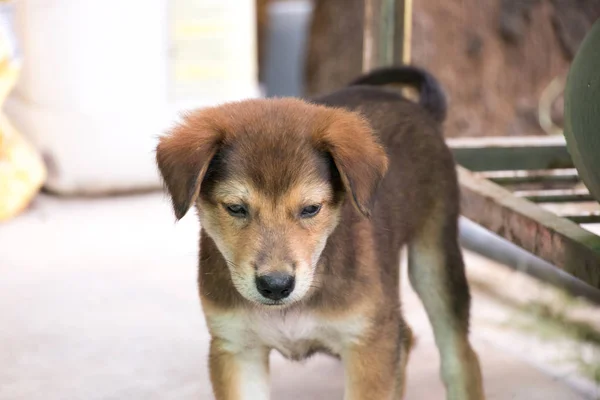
(303,218)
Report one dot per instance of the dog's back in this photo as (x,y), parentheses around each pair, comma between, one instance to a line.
(421,172)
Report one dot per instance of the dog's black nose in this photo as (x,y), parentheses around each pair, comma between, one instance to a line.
(276,285)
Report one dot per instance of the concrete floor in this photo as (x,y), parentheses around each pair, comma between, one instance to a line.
(98,301)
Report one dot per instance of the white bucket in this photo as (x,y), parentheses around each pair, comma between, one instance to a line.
(101,81)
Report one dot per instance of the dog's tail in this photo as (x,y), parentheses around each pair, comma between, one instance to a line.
(431,95)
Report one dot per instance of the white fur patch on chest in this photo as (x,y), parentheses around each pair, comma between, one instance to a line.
(294,334)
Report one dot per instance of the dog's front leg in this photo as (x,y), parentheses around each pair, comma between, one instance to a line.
(239,373)
(375,368)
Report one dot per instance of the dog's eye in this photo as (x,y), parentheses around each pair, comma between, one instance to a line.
(310,211)
(237,210)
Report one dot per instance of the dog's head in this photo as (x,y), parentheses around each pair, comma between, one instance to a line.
(269,178)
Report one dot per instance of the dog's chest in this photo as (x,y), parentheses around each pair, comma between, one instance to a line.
(296,335)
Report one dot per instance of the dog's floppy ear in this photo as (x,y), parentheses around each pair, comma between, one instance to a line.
(357,153)
(183,156)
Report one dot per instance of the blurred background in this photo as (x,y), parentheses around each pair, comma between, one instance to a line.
(97,282)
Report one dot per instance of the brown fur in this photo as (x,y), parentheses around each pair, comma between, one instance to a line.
(277,156)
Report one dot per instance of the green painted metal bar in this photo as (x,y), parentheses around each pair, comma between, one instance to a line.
(592,217)
(555,195)
(511,153)
(565,175)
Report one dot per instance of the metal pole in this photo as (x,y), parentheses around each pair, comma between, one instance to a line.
(387,33)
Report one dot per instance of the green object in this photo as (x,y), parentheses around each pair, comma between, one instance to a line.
(582,111)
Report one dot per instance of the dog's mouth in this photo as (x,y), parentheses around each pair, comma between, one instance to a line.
(259,301)
(274,304)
